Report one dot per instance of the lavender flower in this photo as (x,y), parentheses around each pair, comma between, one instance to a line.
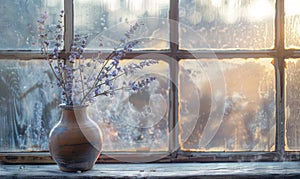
(133,67)
(140,85)
(79,85)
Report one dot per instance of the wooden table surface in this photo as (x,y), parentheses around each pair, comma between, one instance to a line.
(160,170)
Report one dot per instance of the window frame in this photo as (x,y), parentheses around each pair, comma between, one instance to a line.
(278,53)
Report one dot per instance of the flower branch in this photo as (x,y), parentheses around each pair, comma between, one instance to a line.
(80,85)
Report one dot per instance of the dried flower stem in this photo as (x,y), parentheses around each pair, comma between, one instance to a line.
(96,80)
(109,91)
(79,87)
(60,78)
(82,85)
(112,79)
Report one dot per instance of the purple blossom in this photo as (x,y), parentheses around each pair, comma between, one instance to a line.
(89,64)
(97,91)
(148,63)
(115,63)
(47,42)
(45,15)
(108,82)
(140,85)
(79,85)
(127,34)
(114,73)
(100,78)
(43,18)
(133,85)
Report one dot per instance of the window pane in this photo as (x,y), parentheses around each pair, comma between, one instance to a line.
(110,19)
(18,22)
(227,105)
(231,24)
(28,105)
(136,121)
(292,23)
(292,107)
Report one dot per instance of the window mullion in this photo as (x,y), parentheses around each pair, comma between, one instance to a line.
(69,24)
(280,82)
(174,29)
(174,26)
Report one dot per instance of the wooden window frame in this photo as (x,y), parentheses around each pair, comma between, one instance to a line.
(279,53)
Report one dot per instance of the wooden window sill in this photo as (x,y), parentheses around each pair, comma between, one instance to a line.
(159,170)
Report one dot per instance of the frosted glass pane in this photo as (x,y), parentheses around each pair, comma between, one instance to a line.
(28,106)
(129,122)
(227,105)
(292,23)
(292,77)
(110,19)
(136,121)
(226,24)
(18,22)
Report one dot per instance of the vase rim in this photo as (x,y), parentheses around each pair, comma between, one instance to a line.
(74,106)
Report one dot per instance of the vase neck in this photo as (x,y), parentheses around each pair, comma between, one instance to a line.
(74,113)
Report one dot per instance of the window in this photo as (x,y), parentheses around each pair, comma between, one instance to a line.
(227,83)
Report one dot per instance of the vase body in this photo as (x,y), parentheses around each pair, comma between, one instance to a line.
(75,142)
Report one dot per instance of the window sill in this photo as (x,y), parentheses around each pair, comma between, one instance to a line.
(159,170)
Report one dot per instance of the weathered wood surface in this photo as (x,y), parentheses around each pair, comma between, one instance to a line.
(168,170)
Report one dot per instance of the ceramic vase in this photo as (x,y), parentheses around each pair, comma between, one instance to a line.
(75,142)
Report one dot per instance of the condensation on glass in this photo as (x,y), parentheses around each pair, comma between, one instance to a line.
(227,105)
(18,22)
(223,25)
(129,121)
(136,121)
(292,24)
(106,22)
(292,104)
(28,105)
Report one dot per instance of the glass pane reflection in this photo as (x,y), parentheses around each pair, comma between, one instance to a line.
(110,19)
(292,24)
(292,127)
(136,121)
(245,122)
(28,105)
(230,24)
(18,22)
